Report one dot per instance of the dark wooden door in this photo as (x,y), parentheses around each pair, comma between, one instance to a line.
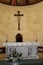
(19,38)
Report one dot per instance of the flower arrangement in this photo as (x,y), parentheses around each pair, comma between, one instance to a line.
(14,55)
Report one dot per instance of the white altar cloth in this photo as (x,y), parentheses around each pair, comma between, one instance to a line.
(28,49)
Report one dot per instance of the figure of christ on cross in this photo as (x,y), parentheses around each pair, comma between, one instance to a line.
(18,15)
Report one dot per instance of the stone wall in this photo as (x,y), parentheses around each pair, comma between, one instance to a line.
(31,23)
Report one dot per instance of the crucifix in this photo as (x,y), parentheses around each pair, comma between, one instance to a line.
(18,15)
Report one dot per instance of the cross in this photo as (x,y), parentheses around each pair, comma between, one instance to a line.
(18,15)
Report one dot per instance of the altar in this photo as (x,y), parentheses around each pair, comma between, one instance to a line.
(29,50)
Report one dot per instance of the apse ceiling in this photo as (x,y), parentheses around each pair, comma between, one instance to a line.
(20,2)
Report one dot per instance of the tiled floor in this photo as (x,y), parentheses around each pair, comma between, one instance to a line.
(2,56)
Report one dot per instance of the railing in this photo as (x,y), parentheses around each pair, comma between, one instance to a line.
(2,49)
(40,49)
